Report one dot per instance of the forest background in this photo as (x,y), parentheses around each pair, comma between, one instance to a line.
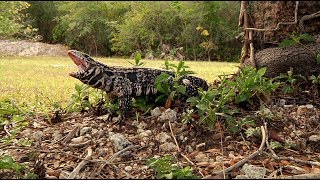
(204,30)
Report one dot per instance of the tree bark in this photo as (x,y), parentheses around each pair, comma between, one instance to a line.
(274,21)
(279,60)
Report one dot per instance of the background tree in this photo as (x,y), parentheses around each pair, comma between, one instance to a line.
(121,28)
(11,19)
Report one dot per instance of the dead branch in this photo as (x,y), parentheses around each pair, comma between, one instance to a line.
(175,140)
(76,171)
(298,160)
(252,61)
(80,144)
(302,176)
(244,52)
(280,23)
(267,141)
(305,18)
(115,155)
(5,129)
(71,134)
(238,164)
(241,13)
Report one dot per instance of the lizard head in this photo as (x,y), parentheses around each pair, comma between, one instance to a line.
(87,66)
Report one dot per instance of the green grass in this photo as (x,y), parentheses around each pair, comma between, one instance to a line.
(42,81)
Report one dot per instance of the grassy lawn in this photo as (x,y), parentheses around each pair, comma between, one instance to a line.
(37,81)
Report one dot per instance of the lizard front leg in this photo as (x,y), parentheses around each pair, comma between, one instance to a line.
(123,90)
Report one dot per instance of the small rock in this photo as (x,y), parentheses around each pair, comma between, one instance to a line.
(85,130)
(288,106)
(142,125)
(305,109)
(163,137)
(156,112)
(38,135)
(192,134)
(309,106)
(181,137)
(56,135)
(77,140)
(119,141)
(200,146)
(189,149)
(227,138)
(168,115)
(242,177)
(168,147)
(128,168)
(201,157)
(103,117)
(50,177)
(146,133)
(282,102)
(219,158)
(142,144)
(314,138)
(254,172)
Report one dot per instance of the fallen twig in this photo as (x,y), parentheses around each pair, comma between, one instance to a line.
(80,144)
(297,160)
(267,141)
(302,176)
(238,164)
(75,172)
(71,134)
(252,61)
(175,140)
(115,155)
(5,129)
(111,158)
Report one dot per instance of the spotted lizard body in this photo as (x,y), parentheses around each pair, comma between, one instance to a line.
(125,83)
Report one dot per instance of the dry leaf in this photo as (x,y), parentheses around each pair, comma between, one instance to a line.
(231,162)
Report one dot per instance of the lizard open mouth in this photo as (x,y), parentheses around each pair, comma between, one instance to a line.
(81,64)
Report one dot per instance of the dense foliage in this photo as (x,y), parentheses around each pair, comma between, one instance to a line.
(205,30)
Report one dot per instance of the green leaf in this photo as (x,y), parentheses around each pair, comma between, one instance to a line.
(318,58)
(6,162)
(262,71)
(78,88)
(286,43)
(181,89)
(307,37)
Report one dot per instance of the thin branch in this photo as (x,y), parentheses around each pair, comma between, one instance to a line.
(281,23)
(5,129)
(71,134)
(115,155)
(252,61)
(267,141)
(241,13)
(238,164)
(302,176)
(174,138)
(307,17)
(76,171)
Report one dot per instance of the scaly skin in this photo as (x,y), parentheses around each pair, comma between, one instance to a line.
(125,83)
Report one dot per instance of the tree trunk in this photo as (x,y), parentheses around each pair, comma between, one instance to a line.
(274,21)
